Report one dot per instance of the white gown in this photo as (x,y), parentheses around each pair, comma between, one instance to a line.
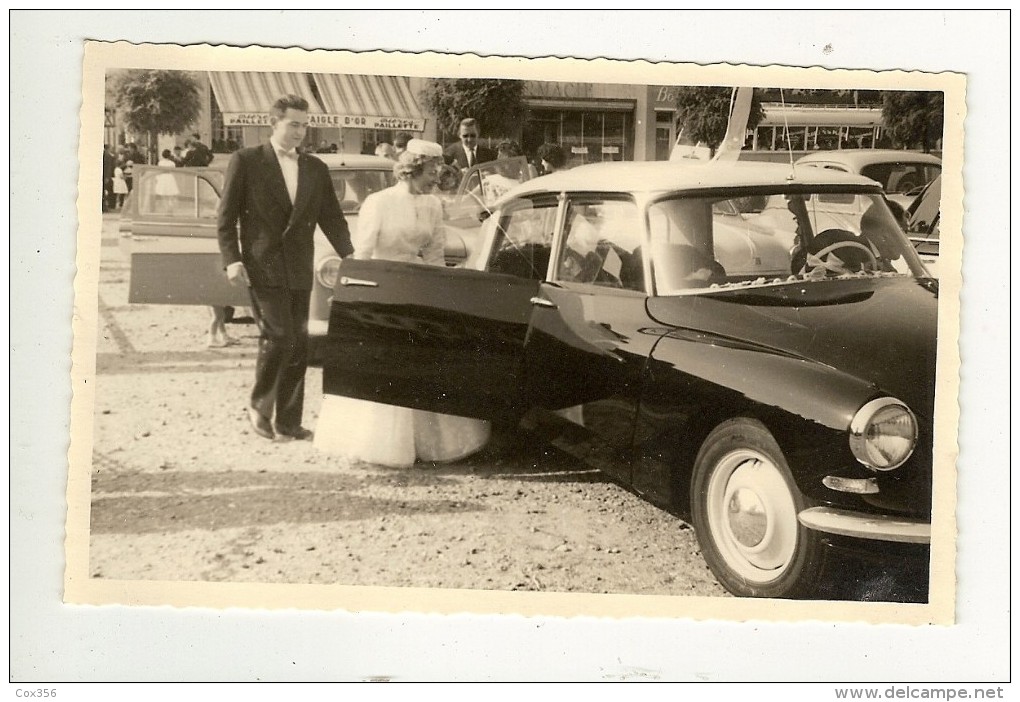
(397,225)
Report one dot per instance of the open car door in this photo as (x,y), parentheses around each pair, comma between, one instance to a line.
(448,340)
(483,184)
(175,257)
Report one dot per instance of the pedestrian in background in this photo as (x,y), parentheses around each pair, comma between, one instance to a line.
(128,173)
(120,187)
(400,143)
(467,152)
(109,163)
(198,154)
(552,158)
(386,150)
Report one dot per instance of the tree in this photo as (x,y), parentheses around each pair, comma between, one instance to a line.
(497,104)
(156,102)
(704,112)
(914,118)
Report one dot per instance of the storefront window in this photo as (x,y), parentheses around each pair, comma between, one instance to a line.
(586,136)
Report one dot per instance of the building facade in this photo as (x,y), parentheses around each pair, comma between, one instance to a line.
(592,122)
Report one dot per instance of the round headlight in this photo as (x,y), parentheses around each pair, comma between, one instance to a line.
(883,434)
(328,271)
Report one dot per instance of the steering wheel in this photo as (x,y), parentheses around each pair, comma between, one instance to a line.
(869,264)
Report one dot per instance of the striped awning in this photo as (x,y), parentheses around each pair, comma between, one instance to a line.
(244,97)
(369,102)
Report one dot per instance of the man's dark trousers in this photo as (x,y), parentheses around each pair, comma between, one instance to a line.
(282,318)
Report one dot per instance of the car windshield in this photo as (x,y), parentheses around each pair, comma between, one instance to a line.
(750,239)
(353,186)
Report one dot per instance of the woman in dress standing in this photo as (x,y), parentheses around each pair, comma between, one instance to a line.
(401,223)
(120,188)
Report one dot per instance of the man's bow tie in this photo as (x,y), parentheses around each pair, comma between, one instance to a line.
(292,154)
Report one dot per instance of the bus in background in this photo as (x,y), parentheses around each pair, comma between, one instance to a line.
(802,129)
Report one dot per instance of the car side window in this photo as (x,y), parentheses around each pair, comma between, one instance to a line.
(168,193)
(208,200)
(524,239)
(602,245)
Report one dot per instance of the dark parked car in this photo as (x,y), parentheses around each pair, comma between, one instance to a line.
(923,219)
(751,350)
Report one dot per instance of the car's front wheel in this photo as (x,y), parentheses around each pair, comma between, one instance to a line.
(744,505)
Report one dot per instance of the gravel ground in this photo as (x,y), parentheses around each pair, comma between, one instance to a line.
(182,490)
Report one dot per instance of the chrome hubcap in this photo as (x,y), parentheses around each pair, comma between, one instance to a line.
(752,516)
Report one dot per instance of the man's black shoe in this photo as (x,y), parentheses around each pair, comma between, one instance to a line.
(260,423)
(299,434)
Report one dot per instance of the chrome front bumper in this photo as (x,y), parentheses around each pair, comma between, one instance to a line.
(865,526)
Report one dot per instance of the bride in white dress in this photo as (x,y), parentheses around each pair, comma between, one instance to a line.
(400,223)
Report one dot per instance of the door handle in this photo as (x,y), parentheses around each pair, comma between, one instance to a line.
(344,280)
(542,302)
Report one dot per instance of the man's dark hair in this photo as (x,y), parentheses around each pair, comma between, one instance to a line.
(288,102)
(552,153)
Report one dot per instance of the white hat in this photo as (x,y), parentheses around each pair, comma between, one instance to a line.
(425,148)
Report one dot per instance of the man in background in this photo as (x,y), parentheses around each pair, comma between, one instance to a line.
(198,154)
(468,152)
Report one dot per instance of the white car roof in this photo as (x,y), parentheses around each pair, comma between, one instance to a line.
(665,176)
(856,159)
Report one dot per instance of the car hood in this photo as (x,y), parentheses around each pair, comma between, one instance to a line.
(879,330)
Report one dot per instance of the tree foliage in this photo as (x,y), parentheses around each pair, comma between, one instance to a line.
(914,118)
(155,102)
(497,104)
(704,112)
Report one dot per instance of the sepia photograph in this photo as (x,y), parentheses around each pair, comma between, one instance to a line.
(440,334)
(556,336)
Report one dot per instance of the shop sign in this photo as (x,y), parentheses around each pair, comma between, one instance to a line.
(246,119)
(666,96)
(610,149)
(316,119)
(366,122)
(578,149)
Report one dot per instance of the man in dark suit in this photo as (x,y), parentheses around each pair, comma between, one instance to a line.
(109,163)
(467,152)
(278,195)
(198,153)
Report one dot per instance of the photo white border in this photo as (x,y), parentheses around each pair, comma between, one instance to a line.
(41,304)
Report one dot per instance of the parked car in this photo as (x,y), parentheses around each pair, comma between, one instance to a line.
(903,174)
(168,229)
(923,217)
(673,327)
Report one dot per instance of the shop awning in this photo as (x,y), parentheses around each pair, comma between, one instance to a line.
(245,97)
(367,102)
